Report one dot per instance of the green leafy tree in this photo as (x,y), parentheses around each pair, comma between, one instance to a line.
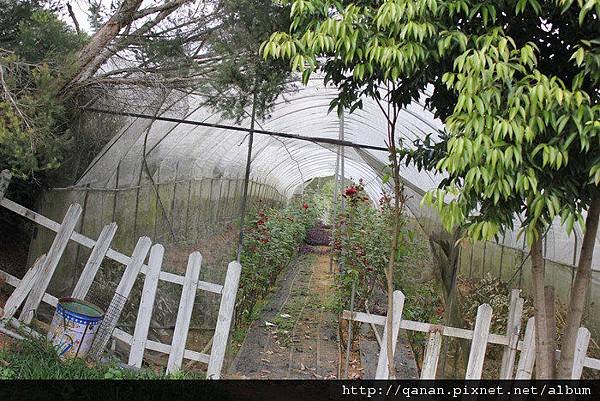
(522,134)
(365,53)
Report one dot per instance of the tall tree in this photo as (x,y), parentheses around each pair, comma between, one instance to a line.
(520,140)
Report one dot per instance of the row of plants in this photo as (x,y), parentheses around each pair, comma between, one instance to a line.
(271,241)
(359,246)
(362,236)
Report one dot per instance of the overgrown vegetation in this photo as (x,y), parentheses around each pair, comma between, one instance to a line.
(361,241)
(271,240)
(32,359)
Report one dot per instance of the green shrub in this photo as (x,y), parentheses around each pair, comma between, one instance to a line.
(36,359)
(271,239)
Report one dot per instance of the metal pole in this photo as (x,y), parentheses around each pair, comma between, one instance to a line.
(246,178)
(334,205)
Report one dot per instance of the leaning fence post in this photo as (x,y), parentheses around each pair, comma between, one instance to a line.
(50,263)
(513,329)
(5,177)
(581,346)
(382,365)
(22,290)
(142,324)
(527,357)
(117,303)
(184,313)
(217,353)
(94,261)
(432,354)
(481,333)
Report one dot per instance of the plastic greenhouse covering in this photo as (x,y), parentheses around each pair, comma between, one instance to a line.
(177,152)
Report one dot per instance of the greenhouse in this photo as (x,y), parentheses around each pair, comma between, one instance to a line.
(299,190)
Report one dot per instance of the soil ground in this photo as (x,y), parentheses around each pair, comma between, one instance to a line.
(296,335)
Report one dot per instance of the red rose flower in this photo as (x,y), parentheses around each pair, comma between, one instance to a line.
(351,191)
(305,206)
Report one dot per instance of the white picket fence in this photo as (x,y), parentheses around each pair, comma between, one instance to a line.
(30,291)
(480,337)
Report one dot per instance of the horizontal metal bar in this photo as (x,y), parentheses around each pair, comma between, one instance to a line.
(330,141)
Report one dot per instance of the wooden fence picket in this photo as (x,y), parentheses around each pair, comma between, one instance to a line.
(219,345)
(513,330)
(479,343)
(142,324)
(527,356)
(581,346)
(432,354)
(122,293)
(382,364)
(5,177)
(133,267)
(94,261)
(22,290)
(50,263)
(184,314)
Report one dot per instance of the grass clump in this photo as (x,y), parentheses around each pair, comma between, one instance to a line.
(37,359)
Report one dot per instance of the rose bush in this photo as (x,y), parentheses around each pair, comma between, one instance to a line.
(271,240)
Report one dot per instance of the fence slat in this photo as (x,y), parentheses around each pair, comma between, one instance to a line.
(581,346)
(221,336)
(432,354)
(133,268)
(5,177)
(142,324)
(527,356)
(479,343)
(382,364)
(406,324)
(50,263)
(513,330)
(22,290)
(94,261)
(122,292)
(184,314)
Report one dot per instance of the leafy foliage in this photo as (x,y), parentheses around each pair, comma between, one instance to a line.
(271,239)
(33,133)
(36,359)
(502,97)
(361,241)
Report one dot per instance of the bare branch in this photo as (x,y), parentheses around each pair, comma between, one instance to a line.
(72,15)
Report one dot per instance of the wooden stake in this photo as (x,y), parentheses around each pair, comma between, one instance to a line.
(50,263)
(382,365)
(221,335)
(94,261)
(481,333)
(142,324)
(184,314)
(513,329)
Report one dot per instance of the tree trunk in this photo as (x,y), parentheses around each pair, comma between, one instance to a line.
(543,362)
(579,291)
(122,17)
(551,324)
(390,269)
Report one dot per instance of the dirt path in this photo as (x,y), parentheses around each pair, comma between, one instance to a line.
(296,335)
